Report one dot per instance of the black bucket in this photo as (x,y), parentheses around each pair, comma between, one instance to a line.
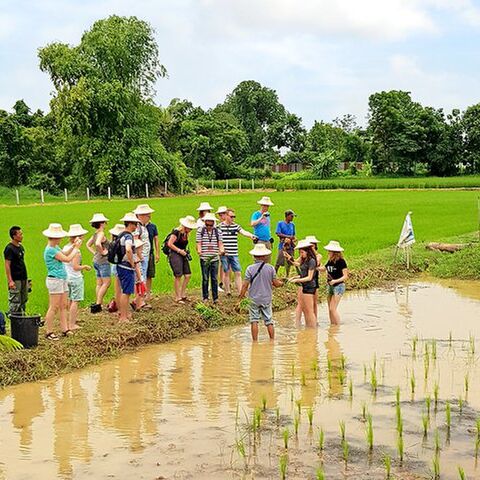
(24,328)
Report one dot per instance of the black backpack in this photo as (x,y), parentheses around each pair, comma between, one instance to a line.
(115,250)
(165,247)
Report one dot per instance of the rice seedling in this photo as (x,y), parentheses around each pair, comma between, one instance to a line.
(427,350)
(341,377)
(342,429)
(460,405)
(304,380)
(321,440)
(472,344)
(477,423)
(428,403)
(369,432)
(477,447)
(277,415)
(350,388)
(436,389)
(320,474)
(414,345)
(436,441)
(373,380)
(400,448)
(434,349)
(397,396)
(412,383)
(448,415)
(315,368)
(237,408)
(264,402)
(364,411)
(254,424)
(283,466)
(461,473)
(299,406)
(329,365)
(258,418)
(291,394)
(240,447)
(310,416)
(425,422)
(466,383)
(375,362)
(343,361)
(293,369)
(436,466)
(400,426)
(387,461)
(345,451)
(285,436)
(426,367)
(450,338)
(364,373)
(296,423)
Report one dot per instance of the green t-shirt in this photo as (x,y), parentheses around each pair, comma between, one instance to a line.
(55,268)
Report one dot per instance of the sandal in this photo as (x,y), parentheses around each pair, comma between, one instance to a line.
(51,336)
(67,333)
(180,302)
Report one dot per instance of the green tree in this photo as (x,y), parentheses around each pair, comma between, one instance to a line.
(471,129)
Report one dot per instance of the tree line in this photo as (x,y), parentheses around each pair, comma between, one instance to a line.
(104,129)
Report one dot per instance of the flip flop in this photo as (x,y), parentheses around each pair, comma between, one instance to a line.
(67,333)
(51,336)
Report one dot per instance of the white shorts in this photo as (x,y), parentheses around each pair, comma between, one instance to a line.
(56,285)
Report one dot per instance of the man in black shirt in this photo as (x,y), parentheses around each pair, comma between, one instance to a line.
(16,271)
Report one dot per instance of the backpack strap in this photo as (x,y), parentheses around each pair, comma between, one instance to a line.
(259,269)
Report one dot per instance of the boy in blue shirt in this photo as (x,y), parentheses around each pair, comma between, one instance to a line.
(286,233)
(260,222)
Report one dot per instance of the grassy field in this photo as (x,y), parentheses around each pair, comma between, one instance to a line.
(363,222)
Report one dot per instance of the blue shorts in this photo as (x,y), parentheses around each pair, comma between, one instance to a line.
(261,311)
(102,270)
(230,261)
(337,289)
(144,268)
(127,280)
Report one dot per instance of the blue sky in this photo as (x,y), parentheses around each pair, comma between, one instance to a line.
(323,57)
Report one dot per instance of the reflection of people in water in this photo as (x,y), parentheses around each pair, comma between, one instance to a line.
(307,355)
(334,355)
(261,384)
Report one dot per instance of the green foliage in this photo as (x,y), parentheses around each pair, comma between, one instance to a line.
(9,344)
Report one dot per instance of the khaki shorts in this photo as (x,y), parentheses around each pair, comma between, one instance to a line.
(56,286)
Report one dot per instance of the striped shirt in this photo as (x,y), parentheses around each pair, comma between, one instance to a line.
(209,242)
(230,238)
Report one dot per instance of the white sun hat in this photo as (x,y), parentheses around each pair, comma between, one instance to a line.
(117,229)
(265,201)
(303,244)
(188,222)
(76,230)
(260,250)
(138,243)
(204,206)
(98,218)
(209,216)
(143,210)
(333,246)
(129,217)
(222,209)
(312,239)
(55,230)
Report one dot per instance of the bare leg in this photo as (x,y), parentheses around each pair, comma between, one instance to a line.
(238,281)
(149,287)
(53,305)
(298,309)
(72,321)
(97,289)
(102,289)
(177,285)
(254,328)
(271,331)
(123,308)
(333,302)
(63,312)
(315,303)
(307,307)
(225,278)
(186,279)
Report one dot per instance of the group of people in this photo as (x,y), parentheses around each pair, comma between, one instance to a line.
(131,252)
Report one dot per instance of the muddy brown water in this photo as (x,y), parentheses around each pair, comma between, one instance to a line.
(180,410)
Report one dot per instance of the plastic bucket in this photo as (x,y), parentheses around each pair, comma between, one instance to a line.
(24,329)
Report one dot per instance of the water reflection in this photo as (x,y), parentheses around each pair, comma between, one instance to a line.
(334,359)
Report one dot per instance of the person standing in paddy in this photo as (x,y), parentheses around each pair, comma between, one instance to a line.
(230,261)
(260,278)
(337,274)
(286,233)
(16,271)
(222,214)
(209,247)
(143,213)
(98,246)
(260,222)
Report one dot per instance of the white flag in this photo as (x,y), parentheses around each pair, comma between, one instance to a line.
(407,237)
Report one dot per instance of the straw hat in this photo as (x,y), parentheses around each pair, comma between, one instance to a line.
(129,217)
(209,216)
(143,210)
(188,222)
(260,250)
(76,230)
(204,206)
(221,209)
(117,229)
(333,246)
(312,239)
(265,201)
(55,230)
(98,218)
(303,244)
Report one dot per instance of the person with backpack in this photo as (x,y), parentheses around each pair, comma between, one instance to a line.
(209,247)
(175,247)
(117,292)
(260,278)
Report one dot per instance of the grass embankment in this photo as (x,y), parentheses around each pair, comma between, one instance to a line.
(100,339)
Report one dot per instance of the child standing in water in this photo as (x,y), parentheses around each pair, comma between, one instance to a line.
(337,273)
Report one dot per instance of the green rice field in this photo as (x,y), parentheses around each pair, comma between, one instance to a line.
(363,221)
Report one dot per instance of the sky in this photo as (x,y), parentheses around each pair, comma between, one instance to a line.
(323,57)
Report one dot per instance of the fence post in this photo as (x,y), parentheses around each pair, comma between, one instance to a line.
(17,195)
(181,189)
(41,196)
(109,193)
(213,185)
(253,184)
(128,191)
(196,187)
(88,194)
(166,188)
(66,194)
(240,184)
(226,184)
(146,190)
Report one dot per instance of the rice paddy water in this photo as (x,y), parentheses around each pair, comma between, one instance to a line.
(216,406)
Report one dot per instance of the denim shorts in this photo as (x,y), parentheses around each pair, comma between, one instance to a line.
(261,311)
(127,280)
(102,270)
(230,261)
(76,289)
(144,268)
(337,289)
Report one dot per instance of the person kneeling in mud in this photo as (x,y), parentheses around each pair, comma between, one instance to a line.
(260,278)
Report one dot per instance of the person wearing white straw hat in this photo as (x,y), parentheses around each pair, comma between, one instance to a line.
(98,246)
(260,278)
(260,222)
(114,304)
(76,286)
(56,281)
(179,256)
(337,274)
(202,210)
(307,264)
(314,241)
